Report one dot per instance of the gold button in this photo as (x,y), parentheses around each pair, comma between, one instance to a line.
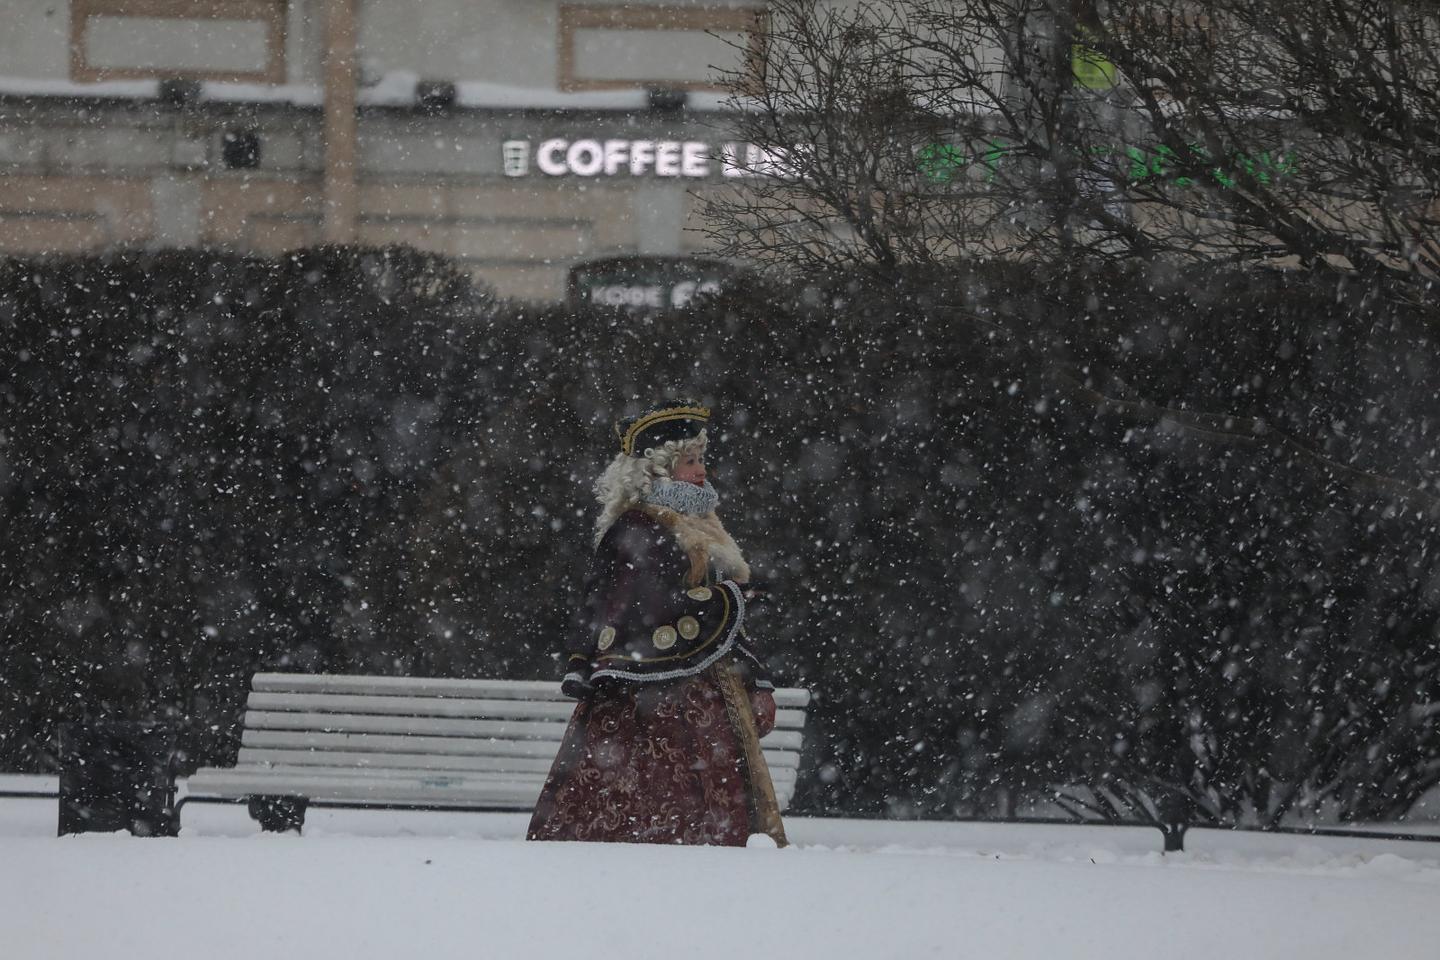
(607,637)
(689,627)
(698,593)
(663,637)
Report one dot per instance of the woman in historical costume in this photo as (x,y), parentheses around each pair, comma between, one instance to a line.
(663,746)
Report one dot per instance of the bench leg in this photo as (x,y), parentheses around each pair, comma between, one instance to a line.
(278,814)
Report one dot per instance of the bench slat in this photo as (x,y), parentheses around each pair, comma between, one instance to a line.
(431,761)
(22,785)
(499,792)
(407,686)
(509,795)
(381,743)
(428,753)
(454,707)
(283,773)
(447,707)
(421,726)
(345,759)
(446,687)
(414,726)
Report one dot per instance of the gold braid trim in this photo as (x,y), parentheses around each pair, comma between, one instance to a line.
(627,441)
(764,808)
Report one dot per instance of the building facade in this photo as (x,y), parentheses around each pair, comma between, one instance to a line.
(522,137)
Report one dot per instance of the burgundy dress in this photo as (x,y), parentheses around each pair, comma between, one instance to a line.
(663,746)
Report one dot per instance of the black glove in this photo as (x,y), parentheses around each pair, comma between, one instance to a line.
(756,591)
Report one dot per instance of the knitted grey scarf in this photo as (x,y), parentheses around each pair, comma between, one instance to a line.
(682,497)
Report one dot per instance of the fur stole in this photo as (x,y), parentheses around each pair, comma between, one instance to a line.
(705,542)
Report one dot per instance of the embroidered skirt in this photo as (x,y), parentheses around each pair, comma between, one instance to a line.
(658,763)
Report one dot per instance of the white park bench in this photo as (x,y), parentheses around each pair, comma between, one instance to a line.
(399,742)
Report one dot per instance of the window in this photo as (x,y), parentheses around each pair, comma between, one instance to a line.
(1178,32)
(678,48)
(241,40)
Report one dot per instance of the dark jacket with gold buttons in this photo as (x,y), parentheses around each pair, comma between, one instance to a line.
(641,622)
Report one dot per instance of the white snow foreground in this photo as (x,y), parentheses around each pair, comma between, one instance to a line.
(367,888)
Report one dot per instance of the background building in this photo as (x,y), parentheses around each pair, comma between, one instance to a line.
(520,136)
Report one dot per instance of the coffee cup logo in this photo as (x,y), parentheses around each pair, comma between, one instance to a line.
(515,157)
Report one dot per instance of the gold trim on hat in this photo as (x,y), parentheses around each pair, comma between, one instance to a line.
(627,442)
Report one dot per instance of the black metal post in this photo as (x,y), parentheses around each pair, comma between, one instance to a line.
(1175,810)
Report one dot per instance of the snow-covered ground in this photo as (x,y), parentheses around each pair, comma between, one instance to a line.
(372,884)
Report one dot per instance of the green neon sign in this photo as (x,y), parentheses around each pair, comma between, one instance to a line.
(943,162)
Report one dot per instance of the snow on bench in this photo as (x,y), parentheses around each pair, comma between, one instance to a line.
(25,786)
(401,742)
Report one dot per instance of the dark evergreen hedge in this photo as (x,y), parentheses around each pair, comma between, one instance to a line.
(996,583)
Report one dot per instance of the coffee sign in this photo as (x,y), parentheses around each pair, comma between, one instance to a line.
(649,296)
(678,159)
(641,283)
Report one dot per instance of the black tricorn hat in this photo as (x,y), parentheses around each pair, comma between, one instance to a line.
(679,420)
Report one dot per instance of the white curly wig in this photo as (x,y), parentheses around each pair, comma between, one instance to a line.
(627,479)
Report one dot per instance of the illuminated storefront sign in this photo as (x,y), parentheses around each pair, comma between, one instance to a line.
(943,162)
(679,159)
(640,283)
(649,296)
